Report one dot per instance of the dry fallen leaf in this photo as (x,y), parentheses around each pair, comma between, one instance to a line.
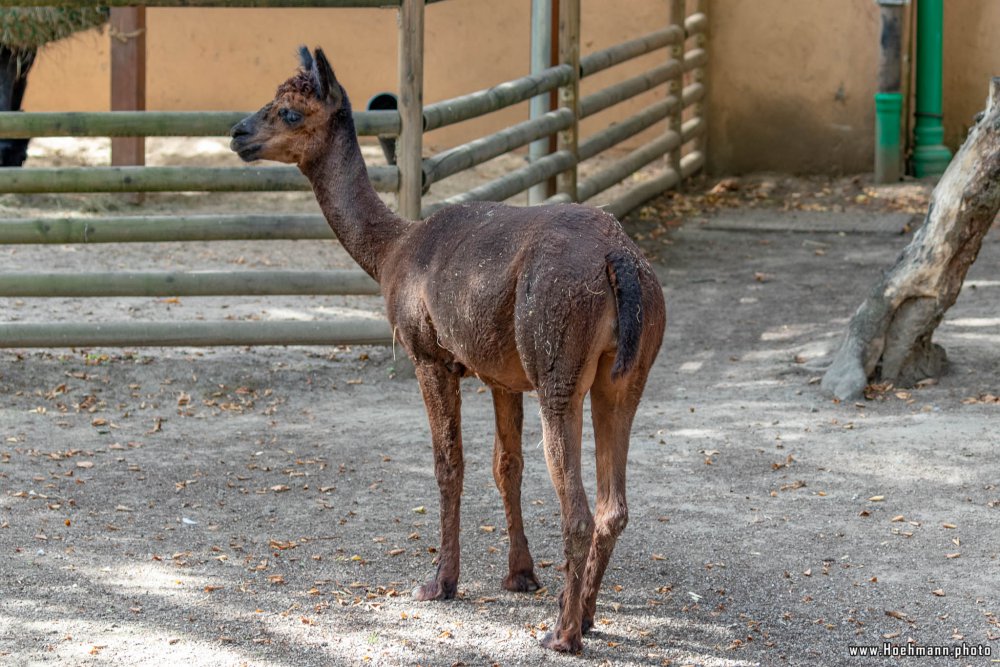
(282,545)
(85,464)
(938,592)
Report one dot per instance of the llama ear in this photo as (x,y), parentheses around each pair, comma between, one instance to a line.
(327,86)
(306,57)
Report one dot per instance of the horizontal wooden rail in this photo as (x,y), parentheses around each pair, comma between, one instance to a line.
(457,109)
(475,152)
(639,158)
(373,4)
(628,165)
(164,228)
(186,283)
(642,193)
(623,90)
(511,184)
(619,132)
(20,125)
(171,179)
(694,59)
(619,53)
(629,88)
(352,331)
(695,24)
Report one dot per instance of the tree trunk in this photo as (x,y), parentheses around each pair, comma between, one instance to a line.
(14,66)
(889,337)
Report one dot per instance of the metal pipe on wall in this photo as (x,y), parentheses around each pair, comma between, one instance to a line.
(930,157)
(889,99)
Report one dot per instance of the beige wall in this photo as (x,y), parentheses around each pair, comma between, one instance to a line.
(201,59)
(791,82)
(791,85)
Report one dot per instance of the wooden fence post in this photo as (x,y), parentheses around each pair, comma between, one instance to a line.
(411,107)
(676,85)
(128,78)
(569,95)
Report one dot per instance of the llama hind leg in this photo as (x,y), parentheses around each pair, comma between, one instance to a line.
(562,430)
(442,398)
(507,467)
(613,405)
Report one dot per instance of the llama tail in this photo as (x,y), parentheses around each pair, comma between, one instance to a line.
(623,273)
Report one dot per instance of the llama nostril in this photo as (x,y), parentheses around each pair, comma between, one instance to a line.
(239,130)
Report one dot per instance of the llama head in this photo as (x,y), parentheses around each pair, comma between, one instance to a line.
(296,125)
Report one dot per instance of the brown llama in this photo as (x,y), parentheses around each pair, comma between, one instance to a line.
(553,299)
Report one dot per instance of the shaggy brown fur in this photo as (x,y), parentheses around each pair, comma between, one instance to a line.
(554,299)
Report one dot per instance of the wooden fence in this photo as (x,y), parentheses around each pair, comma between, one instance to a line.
(681,146)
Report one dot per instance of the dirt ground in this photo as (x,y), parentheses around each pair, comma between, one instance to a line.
(274,506)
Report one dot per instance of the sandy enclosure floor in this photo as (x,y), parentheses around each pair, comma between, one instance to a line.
(274,506)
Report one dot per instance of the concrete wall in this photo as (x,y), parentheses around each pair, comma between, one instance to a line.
(791,83)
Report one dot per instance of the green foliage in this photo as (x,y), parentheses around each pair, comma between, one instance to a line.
(25,28)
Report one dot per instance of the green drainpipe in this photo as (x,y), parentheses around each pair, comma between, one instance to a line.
(888,153)
(889,99)
(930,156)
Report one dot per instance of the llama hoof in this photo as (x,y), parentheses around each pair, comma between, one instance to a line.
(434,590)
(586,623)
(557,642)
(521,582)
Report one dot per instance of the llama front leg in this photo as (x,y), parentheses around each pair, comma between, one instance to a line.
(508,464)
(440,388)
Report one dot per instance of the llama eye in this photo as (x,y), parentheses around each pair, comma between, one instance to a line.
(290,116)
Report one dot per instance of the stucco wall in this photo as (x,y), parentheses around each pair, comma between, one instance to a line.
(791,83)
(200,59)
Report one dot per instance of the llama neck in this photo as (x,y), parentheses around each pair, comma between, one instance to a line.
(363,223)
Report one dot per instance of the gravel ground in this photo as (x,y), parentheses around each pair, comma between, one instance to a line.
(274,506)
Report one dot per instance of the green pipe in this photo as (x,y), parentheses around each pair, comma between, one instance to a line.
(930,156)
(888,157)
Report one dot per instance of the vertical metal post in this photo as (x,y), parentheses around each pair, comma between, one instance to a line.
(698,110)
(569,95)
(411,107)
(128,78)
(541,58)
(675,86)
